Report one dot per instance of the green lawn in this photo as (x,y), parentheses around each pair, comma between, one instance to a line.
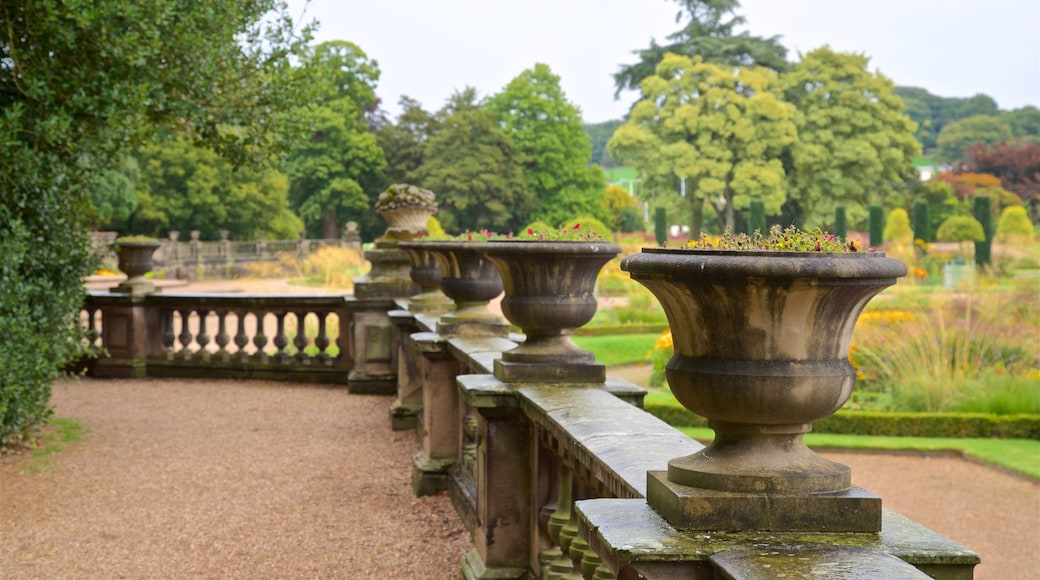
(1020,455)
(618,349)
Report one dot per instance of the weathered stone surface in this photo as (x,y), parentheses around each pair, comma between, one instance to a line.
(630,536)
(842,563)
(689,508)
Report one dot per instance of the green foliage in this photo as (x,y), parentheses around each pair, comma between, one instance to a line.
(114,197)
(982,212)
(854,142)
(618,349)
(960,228)
(877,225)
(185,187)
(922,221)
(932,113)
(1014,223)
(81,84)
(710,34)
(616,200)
(552,146)
(897,227)
(660,225)
(1024,122)
(339,164)
(757,216)
(631,220)
(722,129)
(841,224)
(589,224)
(956,137)
(473,166)
(599,134)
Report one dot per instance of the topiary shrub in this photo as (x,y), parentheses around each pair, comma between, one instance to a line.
(841,223)
(1014,225)
(757,216)
(877,225)
(589,223)
(660,226)
(897,228)
(922,221)
(982,211)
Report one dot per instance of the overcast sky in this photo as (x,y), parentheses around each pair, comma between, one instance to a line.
(427,49)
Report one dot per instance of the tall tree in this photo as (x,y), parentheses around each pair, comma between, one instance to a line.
(710,34)
(551,144)
(956,137)
(336,168)
(599,134)
(473,166)
(722,129)
(1024,122)
(404,142)
(854,142)
(83,82)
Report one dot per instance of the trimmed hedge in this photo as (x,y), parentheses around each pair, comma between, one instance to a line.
(956,425)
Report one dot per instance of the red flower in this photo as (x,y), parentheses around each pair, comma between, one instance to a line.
(530,231)
(576,226)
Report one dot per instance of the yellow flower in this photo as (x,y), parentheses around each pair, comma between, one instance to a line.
(664,341)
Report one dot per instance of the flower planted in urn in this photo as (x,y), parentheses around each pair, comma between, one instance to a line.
(761,327)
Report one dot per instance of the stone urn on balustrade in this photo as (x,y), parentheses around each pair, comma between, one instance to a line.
(471,281)
(549,293)
(135,259)
(406,209)
(761,344)
(426,273)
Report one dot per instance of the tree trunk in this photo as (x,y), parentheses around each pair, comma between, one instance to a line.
(329,226)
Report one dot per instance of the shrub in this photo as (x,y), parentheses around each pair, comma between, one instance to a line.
(1014,224)
(897,227)
(588,223)
(45,255)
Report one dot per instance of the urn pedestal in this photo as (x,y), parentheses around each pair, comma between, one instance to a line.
(761,350)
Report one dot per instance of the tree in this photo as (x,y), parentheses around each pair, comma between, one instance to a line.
(404,142)
(1024,122)
(854,142)
(185,187)
(721,129)
(710,35)
(897,227)
(1014,225)
(82,83)
(331,171)
(337,167)
(599,134)
(1016,164)
(956,137)
(472,165)
(924,109)
(551,145)
(114,196)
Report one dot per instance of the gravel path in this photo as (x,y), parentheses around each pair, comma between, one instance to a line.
(244,479)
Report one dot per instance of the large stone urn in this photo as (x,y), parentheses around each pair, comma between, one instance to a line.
(549,292)
(135,260)
(761,350)
(471,281)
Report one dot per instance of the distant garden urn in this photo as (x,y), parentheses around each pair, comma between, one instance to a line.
(761,350)
(136,261)
(471,281)
(549,292)
(406,209)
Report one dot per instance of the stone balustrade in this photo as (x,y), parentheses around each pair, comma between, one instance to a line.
(549,475)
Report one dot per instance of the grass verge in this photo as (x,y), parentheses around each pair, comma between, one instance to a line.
(618,349)
(57,434)
(1018,455)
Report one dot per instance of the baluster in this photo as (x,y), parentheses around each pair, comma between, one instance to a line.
(281,341)
(92,332)
(166,326)
(222,339)
(603,573)
(241,337)
(300,342)
(203,336)
(322,340)
(559,565)
(185,335)
(260,339)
